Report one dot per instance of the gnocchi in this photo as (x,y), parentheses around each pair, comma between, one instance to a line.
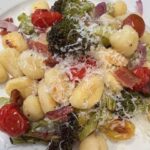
(125,41)
(3,74)
(87,93)
(119,8)
(9,59)
(25,85)
(60,87)
(146,38)
(15,40)
(45,99)
(32,108)
(112,83)
(31,64)
(94,142)
(40,4)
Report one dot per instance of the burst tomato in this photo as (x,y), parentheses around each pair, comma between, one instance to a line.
(43,18)
(136,22)
(12,121)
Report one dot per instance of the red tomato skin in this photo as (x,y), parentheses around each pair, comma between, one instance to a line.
(77,73)
(144,74)
(12,121)
(136,22)
(43,18)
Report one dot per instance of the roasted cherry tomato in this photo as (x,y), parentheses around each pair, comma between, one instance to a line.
(136,22)
(144,74)
(12,121)
(43,18)
(77,74)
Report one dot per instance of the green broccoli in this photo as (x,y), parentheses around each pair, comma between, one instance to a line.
(64,37)
(25,24)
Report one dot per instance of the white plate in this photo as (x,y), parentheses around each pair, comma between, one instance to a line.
(141,141)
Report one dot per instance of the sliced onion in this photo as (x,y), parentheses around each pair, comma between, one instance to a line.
(100,9)
(8,26)
(139,6)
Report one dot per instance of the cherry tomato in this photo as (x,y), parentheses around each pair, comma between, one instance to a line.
(144,74)
(43,18)
(136,22)
(77,73)
(12,121)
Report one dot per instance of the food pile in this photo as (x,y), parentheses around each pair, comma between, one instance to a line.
(75,72)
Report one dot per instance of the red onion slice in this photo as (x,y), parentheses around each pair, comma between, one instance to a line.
(100,9)
(139,6)
(8,26)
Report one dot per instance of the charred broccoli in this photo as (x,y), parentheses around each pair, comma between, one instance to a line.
(64,37)
(69,134)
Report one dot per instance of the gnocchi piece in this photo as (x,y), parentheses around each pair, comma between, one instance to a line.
(25,85)
(112,83)
(119,8)
(31,64)
(32,108)
(94,142)
(118,130)
(146,38)
(60,87)
(87,93)
(125,41)
(9,59)
(46,101)
(40,4)
(3,74)
(15,40)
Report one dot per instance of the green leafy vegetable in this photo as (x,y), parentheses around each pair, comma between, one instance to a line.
(25,24)
(4,101)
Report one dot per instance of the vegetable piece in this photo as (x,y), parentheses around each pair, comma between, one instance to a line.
(8,26)
(40,4)
(25,24)
(94,142)
(15,40)
(25,85)
(77,74)
(32,108)
(31,64)
(126,77)
(43,18)
(3,74)
(16,98)
(144,74)
(12,121)
(100,9)
(60,114)
(139,6)
(87,93)
(90,127)
(119,8)
(46,101)
(136,22)
(68,131)
(4,101)
(119,130)
(125,41)
(9,60)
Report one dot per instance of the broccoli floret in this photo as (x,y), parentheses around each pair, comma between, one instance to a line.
(64,37)
(25,24)
(68,132)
